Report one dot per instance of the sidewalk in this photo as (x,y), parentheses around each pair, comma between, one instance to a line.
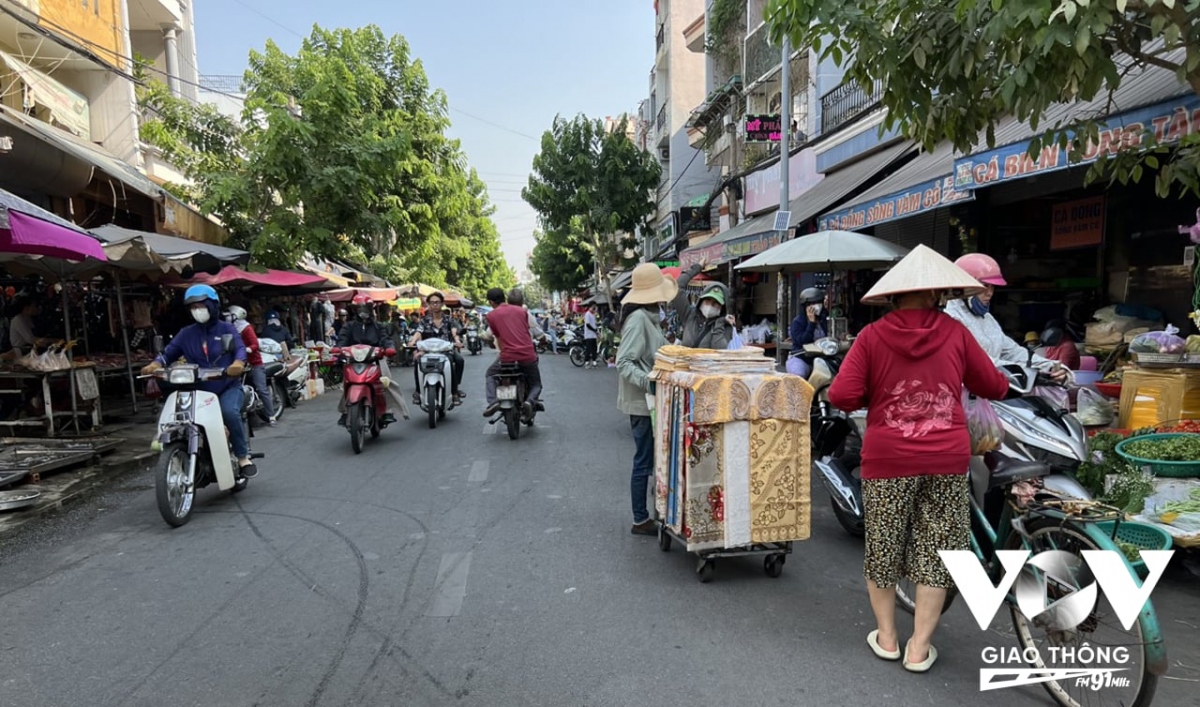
(62,487)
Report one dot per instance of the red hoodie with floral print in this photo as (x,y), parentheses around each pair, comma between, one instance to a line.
(908,369)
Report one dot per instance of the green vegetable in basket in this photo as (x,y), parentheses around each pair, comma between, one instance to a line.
(1105,442)
(1132,552)
(1130,489)
(1185,448)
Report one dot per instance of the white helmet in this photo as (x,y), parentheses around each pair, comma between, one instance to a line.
(236,313)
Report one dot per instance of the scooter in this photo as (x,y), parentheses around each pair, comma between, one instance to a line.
(285,378)
(435,375)
(474,345)
(1035,433)
(192,442)
(511,393)
(364,391)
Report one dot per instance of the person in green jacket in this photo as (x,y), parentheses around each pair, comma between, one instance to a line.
(641,338)
(707,325)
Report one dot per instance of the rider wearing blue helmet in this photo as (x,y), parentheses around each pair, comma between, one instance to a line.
(213,343)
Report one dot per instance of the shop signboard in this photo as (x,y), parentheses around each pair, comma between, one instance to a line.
(764,128)
(736,249)
(933,194)
(1167,122)
(710,254)
(762,187)
(695,218)
(1077,224)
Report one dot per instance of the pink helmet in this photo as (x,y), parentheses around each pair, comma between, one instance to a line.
(982,267)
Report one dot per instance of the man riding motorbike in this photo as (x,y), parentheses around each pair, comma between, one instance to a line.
(236,316)
(203,344)
(974,313)
(809,326)
(364,330)
(513,326)
(438,325)
(276,331)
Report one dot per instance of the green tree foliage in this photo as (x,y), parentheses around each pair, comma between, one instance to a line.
(588,186)
(562,260)
(950,70)
(340,152)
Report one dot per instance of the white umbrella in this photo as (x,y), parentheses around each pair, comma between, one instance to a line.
(827,250)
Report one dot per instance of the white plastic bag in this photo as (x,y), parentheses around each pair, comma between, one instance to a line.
(1092,408)
(1058,397)
(736,341)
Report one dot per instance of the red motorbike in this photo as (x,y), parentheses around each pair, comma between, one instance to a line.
(364,391)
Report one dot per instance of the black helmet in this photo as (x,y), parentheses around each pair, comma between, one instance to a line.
(1053,336)
(811,295)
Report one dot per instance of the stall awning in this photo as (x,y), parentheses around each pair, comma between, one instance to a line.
(925,183)
(377,294)
(729,244)
(233,275)
(205,257)
(836,185)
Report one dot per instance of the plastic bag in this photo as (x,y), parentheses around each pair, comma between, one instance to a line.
(1159,342)
(736,342)
(983,424)
(1092,408)
(1058,398)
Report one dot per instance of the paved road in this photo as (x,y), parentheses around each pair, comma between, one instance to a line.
(456,566)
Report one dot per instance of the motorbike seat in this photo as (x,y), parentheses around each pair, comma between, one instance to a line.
(1010,472)
(273,369)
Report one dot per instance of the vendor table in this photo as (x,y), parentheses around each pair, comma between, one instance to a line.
(85,383)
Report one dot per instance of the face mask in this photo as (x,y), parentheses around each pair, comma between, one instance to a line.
(818,308)
(272,322)
(201,316)
(364,316)
(710,311)
(978,308)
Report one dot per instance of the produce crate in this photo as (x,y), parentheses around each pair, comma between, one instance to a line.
(1143,535)
(1151,397)
(1175,470)
(1157,359)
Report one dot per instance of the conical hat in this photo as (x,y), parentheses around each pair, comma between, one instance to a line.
(922,269)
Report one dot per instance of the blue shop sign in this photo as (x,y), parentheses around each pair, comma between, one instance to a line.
(922,197)
(1168,121)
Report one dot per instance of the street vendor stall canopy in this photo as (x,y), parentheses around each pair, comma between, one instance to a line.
(204,257)
(377,294)
(28,230)
(827,250)
(233,275)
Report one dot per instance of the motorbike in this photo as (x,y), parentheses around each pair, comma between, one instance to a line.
(435,375)
(364,391)
(474,344)
(511,392)
(1034,433)
(285,377)
(192,443)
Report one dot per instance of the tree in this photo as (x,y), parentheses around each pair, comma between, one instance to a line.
(588,187)
(562,260)
(950,70)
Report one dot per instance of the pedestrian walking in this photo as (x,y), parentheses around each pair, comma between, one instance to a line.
(591,335)
(908,370)
(641,338)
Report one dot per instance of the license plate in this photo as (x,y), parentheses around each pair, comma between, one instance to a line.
(507,392)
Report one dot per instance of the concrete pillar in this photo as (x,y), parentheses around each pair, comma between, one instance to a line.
(172,55)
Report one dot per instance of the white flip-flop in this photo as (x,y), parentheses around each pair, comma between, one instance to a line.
(924,665)
(878,650)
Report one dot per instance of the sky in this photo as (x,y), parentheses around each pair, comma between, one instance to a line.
(507,67)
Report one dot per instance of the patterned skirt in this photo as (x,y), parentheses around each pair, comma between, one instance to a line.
(907,521)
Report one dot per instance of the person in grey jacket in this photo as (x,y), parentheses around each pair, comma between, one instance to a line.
(707,325)
(641,338)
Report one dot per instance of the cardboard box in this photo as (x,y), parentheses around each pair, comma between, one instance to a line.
(1151,397)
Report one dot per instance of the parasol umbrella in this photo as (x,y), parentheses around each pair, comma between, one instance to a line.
(827,250)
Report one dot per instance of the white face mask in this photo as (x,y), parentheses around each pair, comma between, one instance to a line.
(710,311)
(818,308)
(200,315)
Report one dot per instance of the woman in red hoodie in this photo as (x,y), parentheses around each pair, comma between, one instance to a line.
(908,369)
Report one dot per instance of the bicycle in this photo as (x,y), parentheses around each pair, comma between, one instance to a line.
(1044,523)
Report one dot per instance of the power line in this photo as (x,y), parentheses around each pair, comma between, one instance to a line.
(268,18)
(681,174)
(496,125)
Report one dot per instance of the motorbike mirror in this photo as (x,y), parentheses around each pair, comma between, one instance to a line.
(389,352)
(336,350)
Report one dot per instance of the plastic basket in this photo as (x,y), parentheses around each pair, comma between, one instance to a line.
(1112,390)
(1158,359)
(1175,470)
(1143,535)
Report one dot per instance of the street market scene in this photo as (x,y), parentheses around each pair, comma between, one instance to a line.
(852,359)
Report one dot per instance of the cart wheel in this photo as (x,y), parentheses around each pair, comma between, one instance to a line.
(664,540)
(773,565)
(704,571)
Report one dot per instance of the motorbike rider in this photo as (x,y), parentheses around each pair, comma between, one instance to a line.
(276,331)
(513,329)
(438,325)
(806,328)
(364,330)
(203,344)
(706,325)
(236,316)
(974,313)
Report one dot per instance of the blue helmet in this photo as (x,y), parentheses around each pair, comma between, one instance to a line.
(199,293)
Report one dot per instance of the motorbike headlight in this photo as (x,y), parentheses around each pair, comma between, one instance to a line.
(359,353)
(181,376)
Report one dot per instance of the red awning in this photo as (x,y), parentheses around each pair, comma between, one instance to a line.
(233,275)
(377,294)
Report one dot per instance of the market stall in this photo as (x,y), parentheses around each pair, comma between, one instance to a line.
(732,455)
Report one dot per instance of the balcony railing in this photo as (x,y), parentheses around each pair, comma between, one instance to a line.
(661,121)
(660,37)
(847,102)
(760,57)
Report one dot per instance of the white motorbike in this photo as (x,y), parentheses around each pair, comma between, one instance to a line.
(286,377)
(435,374)
(192,442)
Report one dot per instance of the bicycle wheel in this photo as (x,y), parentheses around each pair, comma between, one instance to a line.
(1100,630)
(906,596)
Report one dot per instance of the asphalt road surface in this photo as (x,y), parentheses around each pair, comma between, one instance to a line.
(454,566)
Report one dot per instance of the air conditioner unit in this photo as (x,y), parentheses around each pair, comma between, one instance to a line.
(664,153)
